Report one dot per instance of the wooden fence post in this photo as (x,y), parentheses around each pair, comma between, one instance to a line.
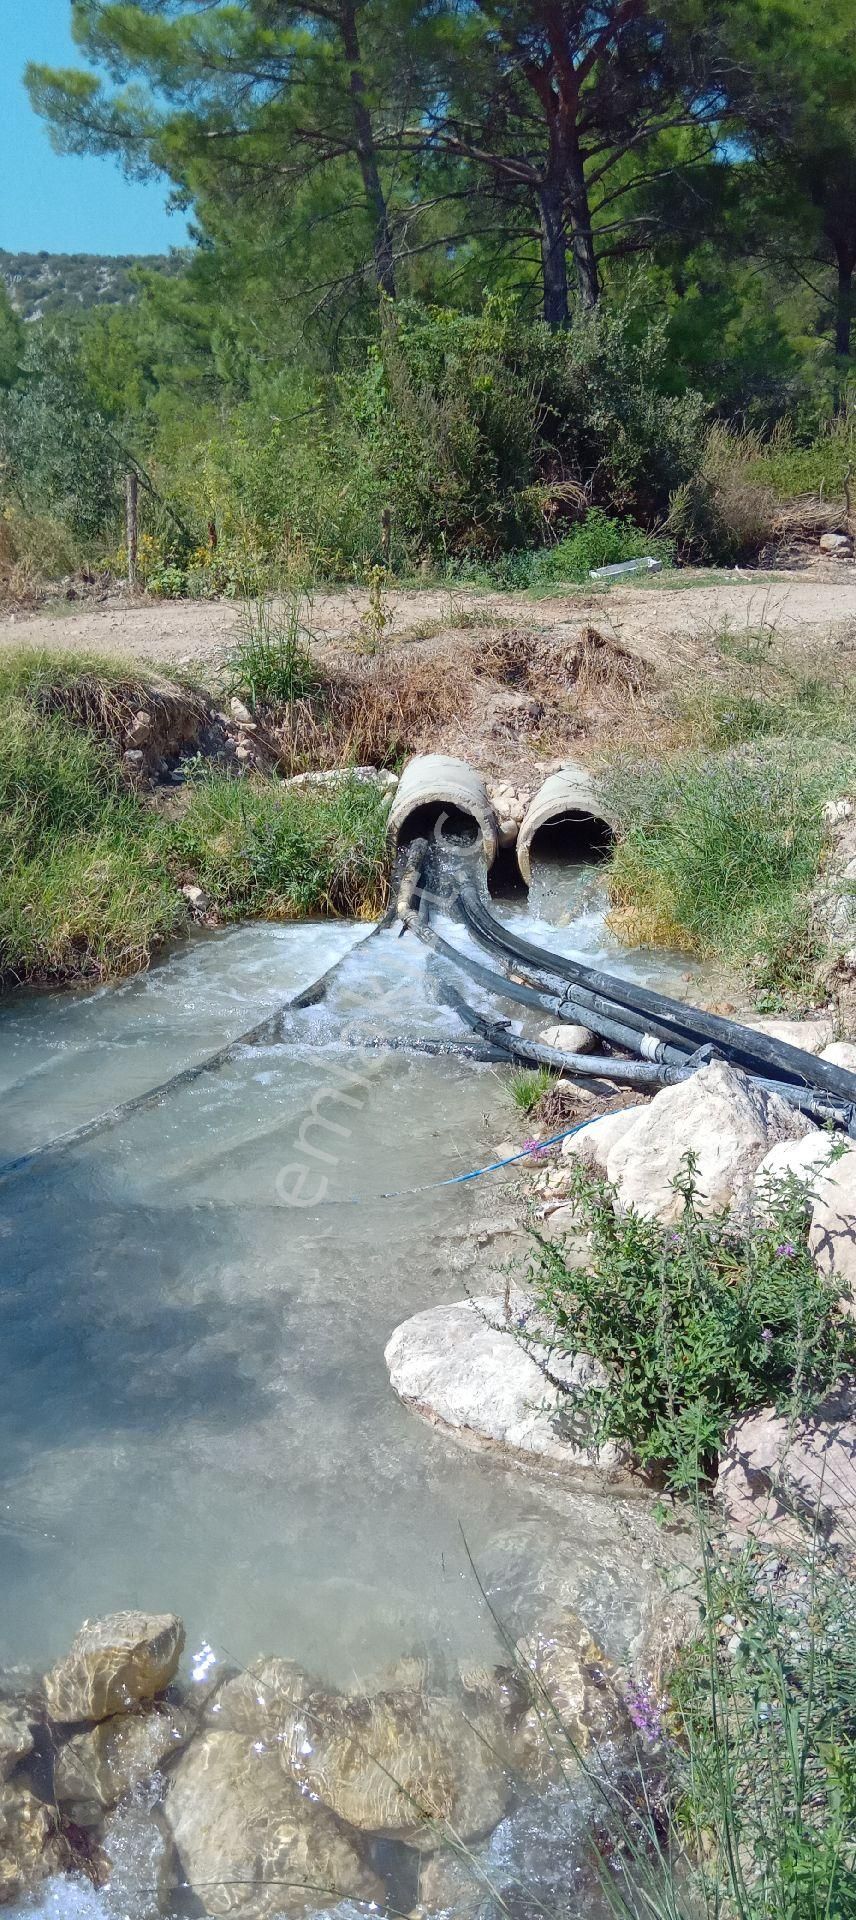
(131,526)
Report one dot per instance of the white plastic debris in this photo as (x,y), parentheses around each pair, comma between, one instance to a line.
(648,565)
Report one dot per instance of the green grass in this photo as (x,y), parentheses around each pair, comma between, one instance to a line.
(527,1088)
(90,875)
(85,885)
(269,663)
(264,851)
(718,851)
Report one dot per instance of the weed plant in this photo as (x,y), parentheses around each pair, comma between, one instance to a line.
(695,1323)
(528,1088)
(270,664)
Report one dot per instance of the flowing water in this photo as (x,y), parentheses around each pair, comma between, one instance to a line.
(195,1302)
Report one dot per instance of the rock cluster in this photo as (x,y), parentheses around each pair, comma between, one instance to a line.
(509,804)
(724,1118)
(271,1794)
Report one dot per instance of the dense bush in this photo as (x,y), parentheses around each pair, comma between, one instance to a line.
(469,428)
(58,455)
(695,1323)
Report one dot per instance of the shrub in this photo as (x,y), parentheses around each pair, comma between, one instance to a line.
(468,428)
(598,541)
(718,853)
(262,850)
(725,512)
(696,1323)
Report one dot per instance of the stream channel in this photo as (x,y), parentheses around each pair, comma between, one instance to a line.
(196,1414)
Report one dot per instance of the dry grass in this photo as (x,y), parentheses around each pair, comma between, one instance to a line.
(373,715)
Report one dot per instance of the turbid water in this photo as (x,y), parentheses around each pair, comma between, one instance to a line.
(196,1413)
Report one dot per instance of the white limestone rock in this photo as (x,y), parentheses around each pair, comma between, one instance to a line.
(727,1121)
(463,1368)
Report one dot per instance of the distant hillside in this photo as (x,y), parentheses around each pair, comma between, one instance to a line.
(41,283)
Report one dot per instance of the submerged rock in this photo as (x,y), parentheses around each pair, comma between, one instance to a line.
(463,1367)
(259,1699)
(575,1698)
(94,1769)
(409,1766)
(113,1663)
(31,1844)
(16,1739)
(249,1841)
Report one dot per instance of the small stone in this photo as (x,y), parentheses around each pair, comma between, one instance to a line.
(241,713)
(244,751)
(113,1663)
(569,1038)
(140,733)
(197,897)
(508,830)
(133,760)
(835,810)
(839,545)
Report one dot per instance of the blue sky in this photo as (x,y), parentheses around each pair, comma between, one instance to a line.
(57,201)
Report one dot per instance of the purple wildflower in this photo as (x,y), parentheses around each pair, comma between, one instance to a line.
(645,1714)
(534,1146)
(787,1251)
(767,1336)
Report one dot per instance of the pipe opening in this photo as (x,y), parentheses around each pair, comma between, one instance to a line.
(504,880)
(572,836)
(441,823)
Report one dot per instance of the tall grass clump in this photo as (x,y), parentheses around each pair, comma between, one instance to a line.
(269,663)
(717,853)
(261,850)
(85,889)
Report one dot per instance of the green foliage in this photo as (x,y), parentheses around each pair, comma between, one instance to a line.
(694,1323)
(85,888)
(262,850)
(460,420)
(11,342)
(598,541)
(764,1706)
(58,455)
(269,662)
(527,1089)
(719,852)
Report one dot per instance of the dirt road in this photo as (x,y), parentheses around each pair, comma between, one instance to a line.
(671,625)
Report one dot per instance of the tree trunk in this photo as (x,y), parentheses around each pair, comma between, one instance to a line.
(844,309)
(582,238)
(384,269)
(554,263)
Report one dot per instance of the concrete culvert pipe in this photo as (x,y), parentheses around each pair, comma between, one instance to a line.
(444,800)
(567,815)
